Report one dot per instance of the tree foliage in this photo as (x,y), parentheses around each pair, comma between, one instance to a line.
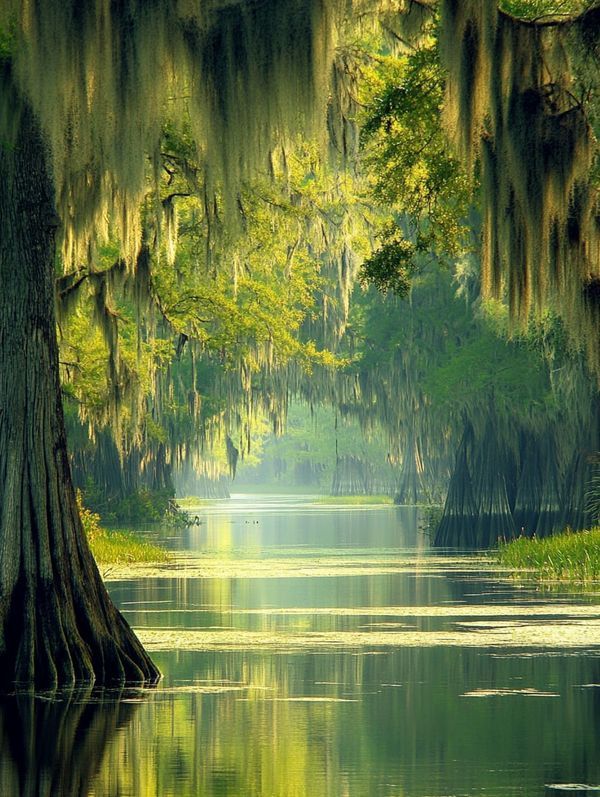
(410,167)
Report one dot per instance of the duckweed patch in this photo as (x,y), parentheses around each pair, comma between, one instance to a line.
(559,634)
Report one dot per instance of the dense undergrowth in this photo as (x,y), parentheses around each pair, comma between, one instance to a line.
(139,506)
(571,556)
(117,547)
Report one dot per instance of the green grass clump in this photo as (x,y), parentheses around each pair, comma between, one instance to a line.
(117,547)
(571,556)
(125,547)
(193,500)
(355,499)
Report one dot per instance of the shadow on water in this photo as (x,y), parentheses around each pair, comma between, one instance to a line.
(54,745)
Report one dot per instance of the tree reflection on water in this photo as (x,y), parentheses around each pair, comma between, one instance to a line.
(54,744)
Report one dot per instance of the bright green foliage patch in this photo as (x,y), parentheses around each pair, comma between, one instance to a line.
(572,556)
(194,500)
(411,169)
(125,547)
(540,9)
(117,547)
(355,499)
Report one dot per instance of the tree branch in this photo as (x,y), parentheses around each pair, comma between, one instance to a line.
(552,20)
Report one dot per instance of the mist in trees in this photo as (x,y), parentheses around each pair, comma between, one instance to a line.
(212,198)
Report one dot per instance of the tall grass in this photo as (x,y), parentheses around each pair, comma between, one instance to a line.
(125,547)
(571,556)
(117,547)
(193,500)
(354,500)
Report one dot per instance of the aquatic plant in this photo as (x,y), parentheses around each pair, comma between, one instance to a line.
(572,556)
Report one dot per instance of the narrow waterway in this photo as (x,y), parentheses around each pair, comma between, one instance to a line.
(310,650)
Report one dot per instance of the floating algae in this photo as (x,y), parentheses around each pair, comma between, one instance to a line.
(573,634)
(528,692)
(459,610)
(326,565)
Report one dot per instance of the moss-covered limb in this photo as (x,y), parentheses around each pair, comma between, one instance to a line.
(245,72)
(249,328)
(518,117)
(549,13)
(164,175)
(570,556)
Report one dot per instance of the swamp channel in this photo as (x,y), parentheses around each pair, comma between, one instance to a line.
(326,650)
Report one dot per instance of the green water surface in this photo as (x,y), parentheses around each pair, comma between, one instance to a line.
(311,650)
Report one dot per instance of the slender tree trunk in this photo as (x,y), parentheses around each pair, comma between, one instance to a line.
(57,623)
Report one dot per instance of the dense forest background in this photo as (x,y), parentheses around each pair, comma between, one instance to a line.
(475,370)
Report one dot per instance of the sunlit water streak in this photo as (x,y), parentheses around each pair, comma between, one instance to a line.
(316,651)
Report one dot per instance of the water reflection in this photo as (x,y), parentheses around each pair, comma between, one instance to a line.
(55,744)
(400,723)
(299,719)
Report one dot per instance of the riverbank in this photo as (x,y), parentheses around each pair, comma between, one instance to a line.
(346,500)
(118,547)
(125,547)
(354,500)
(572,556)
(193,500)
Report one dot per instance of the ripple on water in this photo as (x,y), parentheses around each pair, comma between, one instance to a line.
(356,659)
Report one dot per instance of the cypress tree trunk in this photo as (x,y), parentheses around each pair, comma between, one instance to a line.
(459,518)
(58,624)
(410,484)
(352,476)
(551,511)
(526,509)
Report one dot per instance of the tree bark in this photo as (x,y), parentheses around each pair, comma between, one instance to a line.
(58,624)
(456,528)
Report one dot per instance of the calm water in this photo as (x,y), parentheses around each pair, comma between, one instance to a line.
(312,651)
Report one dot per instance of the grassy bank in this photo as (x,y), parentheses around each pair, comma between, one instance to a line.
(572,556)
(192,500)
(125,547)
(118,547)
(354,499)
